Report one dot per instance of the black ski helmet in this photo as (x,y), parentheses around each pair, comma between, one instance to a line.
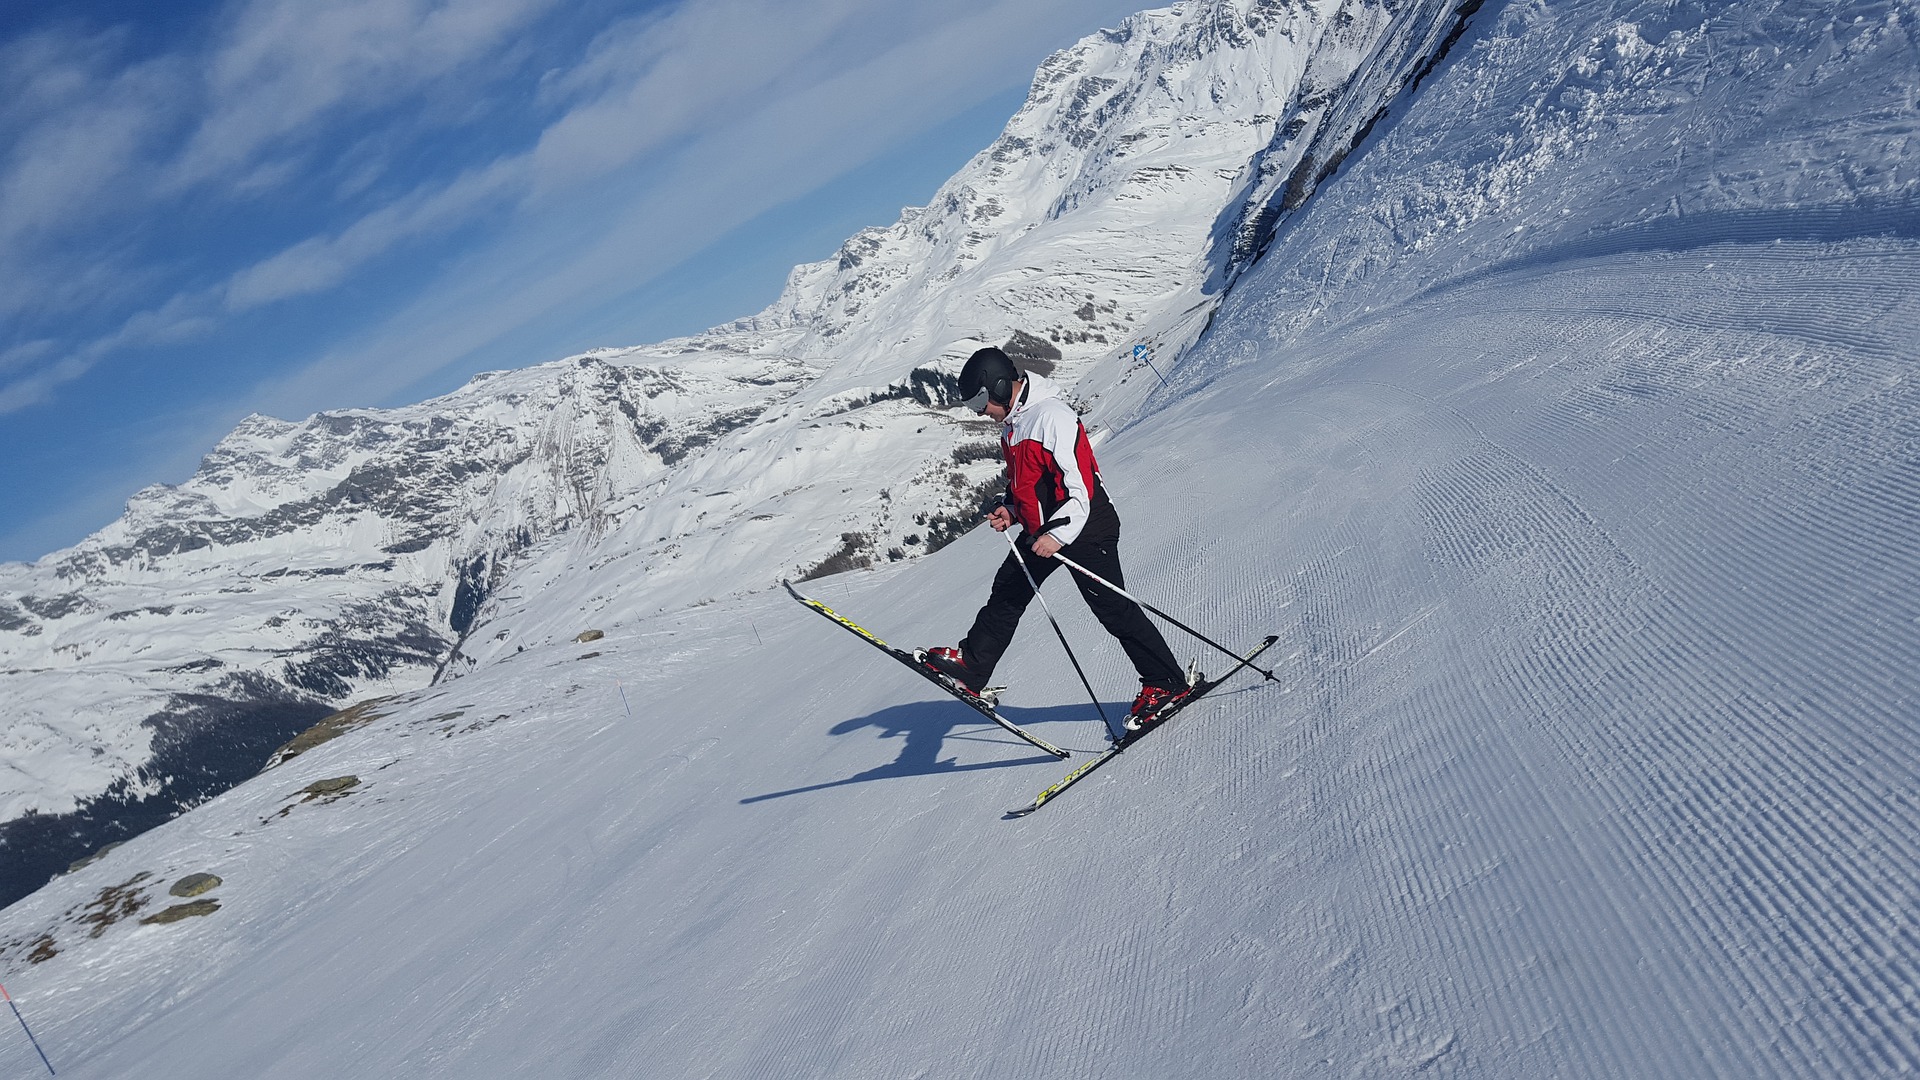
(988,376)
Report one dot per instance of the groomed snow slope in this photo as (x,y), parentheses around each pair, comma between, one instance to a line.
(1593,754)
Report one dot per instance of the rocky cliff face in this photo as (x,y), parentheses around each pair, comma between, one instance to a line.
(307,565)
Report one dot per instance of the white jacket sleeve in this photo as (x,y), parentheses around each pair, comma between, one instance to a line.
(1060,432)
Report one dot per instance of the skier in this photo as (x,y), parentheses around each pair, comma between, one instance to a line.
(1054,493)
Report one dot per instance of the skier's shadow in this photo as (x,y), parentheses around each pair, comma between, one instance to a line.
(926,727)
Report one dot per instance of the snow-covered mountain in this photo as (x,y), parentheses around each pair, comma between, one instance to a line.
(1567,438)
(361,553)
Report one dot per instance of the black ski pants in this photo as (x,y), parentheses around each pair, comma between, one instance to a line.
(993,628)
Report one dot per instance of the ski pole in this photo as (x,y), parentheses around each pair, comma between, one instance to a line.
(1162,614)
(28,1030)
(1111,733)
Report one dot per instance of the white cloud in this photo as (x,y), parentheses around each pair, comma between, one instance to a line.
(319,263)
(96,147)
(27,353)
(686,73)
(73,133)
(91,140)
(287,65)
(183,318)
(39,385)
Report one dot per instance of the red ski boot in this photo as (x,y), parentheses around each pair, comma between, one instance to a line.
(1152,702)
(950,663)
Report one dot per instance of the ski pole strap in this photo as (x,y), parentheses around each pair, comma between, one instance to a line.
(1112,733)
(1176,622)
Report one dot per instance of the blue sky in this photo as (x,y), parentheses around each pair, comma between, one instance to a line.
(281,206)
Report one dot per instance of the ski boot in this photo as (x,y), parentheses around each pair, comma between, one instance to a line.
(1152,703)
(950,663)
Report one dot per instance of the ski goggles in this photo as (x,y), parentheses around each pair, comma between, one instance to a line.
(978,402)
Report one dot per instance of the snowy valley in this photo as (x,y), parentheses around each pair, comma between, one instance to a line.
(1566,435)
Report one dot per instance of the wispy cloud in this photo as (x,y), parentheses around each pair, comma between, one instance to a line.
(99,148)
(73,132)
(25,354)
(181,319)
(321,262)
(93,136)
(287,67)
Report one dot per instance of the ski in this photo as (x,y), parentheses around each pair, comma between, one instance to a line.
(1200,690)
(982,705)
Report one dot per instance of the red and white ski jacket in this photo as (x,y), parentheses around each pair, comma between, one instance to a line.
(1053,482)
